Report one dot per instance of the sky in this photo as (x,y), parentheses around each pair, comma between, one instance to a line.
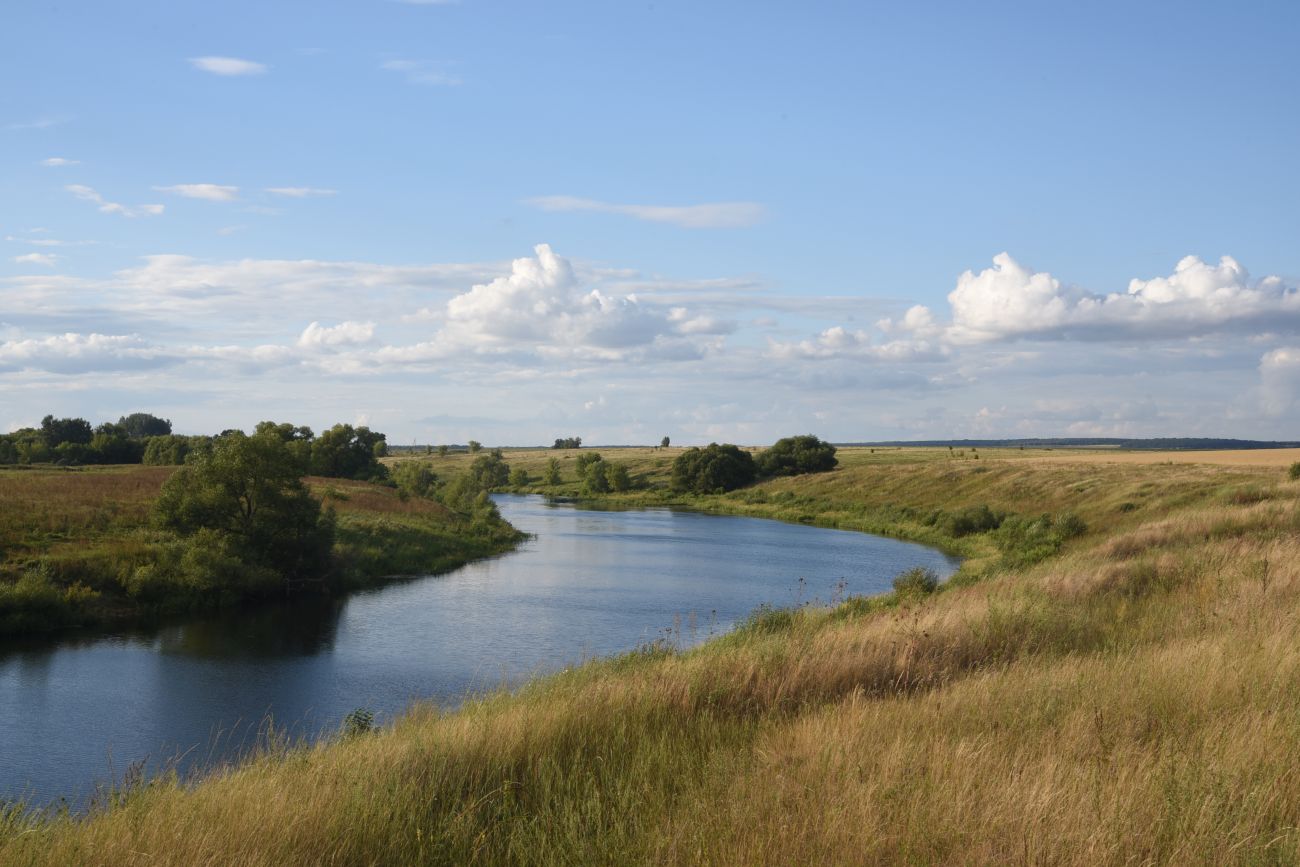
(732,221)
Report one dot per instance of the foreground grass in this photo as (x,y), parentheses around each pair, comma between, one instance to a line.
(1134,698)
(70,541)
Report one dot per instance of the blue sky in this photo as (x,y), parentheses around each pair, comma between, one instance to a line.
(757,194)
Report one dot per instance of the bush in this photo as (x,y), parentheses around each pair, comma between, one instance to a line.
(617,477)
(594,480)
(552,476)
(713,470)
(917,581)
(794,456)
(1293,472)
(415,478)
(518,477)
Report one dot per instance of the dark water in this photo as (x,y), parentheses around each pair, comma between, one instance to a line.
(592,583)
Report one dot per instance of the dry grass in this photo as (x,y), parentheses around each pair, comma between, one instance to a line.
(1133,700)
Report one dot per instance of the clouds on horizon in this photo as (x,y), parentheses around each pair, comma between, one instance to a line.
(713,215)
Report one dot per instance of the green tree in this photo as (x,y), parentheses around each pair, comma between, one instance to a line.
(111,444)
(169,450)
(416,478)
(617,477)
(551,477)
(594,480)
(793,456)
(489,471)
(585,460)
(142,425)
(442,451)
(518,477)
(663,443)
(345,452)
(714,469)
(246,496)
(57,431)
(474,446)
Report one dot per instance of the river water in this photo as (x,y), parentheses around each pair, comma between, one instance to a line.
(79,712)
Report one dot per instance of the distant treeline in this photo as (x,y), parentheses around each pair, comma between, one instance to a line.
(1154,444)
(342,451)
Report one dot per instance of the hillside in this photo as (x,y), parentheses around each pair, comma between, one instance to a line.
(1128,696)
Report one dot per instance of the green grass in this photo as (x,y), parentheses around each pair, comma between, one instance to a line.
(1130,698)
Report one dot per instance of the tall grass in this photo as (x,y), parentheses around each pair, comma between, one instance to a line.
(1130,699)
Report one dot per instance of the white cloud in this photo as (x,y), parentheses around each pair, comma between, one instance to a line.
(56,162)
(1279,373)
(88,194)
(228,65)
(47,259)
(1010,301)
(839,342)
(300,192)
(430,73)
(716,215)
(208,192)
(542,308)
(314,336)
(42,122)
(73,353)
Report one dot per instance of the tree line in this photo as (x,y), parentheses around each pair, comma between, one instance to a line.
(716,468)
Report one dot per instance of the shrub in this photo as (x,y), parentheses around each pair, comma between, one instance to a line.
(713,470)
(1293,472)
(797,455)
(552,475)
(358,722)
(414,478)
(917,581)
(518,477)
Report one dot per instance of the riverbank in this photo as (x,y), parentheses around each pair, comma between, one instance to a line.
(71,540)
(1128,696)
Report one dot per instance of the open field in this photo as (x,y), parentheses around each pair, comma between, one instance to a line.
(1130,697)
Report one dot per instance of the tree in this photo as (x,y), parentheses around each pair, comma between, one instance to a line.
(617,477)
(567,443)
(663,443)
(518,477)
(57,431)
(442,451)
(169,450)
(111,444)
(246,496)
(345,452)
(585,460)
(712,470)
(474,446)
(594,480)
(299,439)
(552,476)
(793,456)
(142,425)
(488,472)
(416,478)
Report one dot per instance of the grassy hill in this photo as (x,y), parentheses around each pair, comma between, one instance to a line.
(1131,695)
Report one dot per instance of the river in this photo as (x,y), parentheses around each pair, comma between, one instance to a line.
(80,711)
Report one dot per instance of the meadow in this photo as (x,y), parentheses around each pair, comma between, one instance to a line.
(71,540)
(1129,694)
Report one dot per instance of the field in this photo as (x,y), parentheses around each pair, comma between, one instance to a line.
(70,539)
(1127,695)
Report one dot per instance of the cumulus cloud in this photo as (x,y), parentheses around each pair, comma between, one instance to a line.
(716,215)
(228,65)
(1010,301)
(58,162)
(300,192)
(316,336)
(430,73)
(542,307)
(839,342)
(89,194)
(207,192)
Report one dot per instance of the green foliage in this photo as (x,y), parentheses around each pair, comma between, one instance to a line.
(442,451)
(567,443)
(345,452)
(415,478)
(793,456)
(966,522)
(142,425)
(663,443)
(617,477)
(518,477)
(35,603)
(56,431)
(475,446)
(171,450)
(1293,471)
(594,480)
(489,472)
(917,581)
(245,499)
(552,476)
(1025,541)
(585,460)
(714,469)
